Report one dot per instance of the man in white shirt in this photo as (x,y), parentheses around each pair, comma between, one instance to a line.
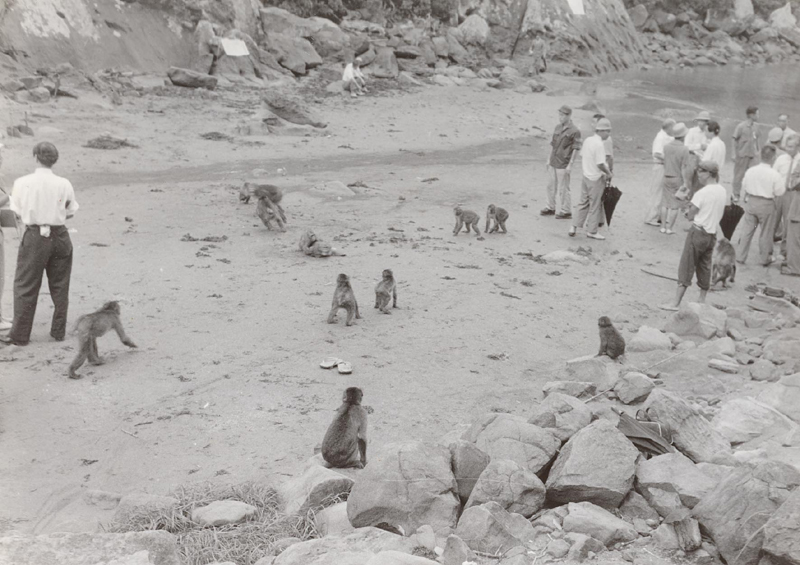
(696,138)
(4,324)
(783,123)
(761,186)
(715,150)
(783,165)
(705,212)
(654,204)
(43,202)
(596,172)
(353,78)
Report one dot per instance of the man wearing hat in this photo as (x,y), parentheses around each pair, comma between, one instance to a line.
(596,172)
(761,185)
(678,172)
(696,138)
(654,206)
(745,149)
(775,138)
(565,144)
(705,212)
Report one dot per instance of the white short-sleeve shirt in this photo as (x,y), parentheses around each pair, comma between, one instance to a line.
(715,152)
(662,138)
(710,201)
(43,198)
(593,153)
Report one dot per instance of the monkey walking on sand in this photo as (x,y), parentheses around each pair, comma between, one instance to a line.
(466,218)
(499,215)
(343,297)
(724,263)
(611,341)
(91,326)
(386,291)
(345,442)
(269,197)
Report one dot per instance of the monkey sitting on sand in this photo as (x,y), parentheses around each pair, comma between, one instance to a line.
(310,245)
(499,215)
(91,326)
(724,263)
(466,218)
(386,291)
(343,297)
(611,341)
(345,442)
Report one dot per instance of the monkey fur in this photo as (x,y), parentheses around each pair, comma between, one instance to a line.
(466,218)
(269,197)
(91,326)
(499,215)
(386,291)
(611,341)
(345,442)
(343,297)
(313,247)
(724,263)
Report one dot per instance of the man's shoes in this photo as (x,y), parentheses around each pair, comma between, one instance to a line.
(656,224)
(546,212)
(595,235)
(57,338)
(10,341)
(5,326)
(566,216)
(572,231)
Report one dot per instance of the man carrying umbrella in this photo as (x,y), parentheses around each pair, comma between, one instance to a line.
(705,212)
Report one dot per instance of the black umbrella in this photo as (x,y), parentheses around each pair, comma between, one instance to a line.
(730,219)
(611,196)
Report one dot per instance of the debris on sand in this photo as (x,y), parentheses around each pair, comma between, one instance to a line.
(208,238)
(108,142)
(216,136)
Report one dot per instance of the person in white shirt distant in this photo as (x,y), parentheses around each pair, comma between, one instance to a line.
(761,186)
(353,78)
(654,205)
(43,202)
(783,165)
(705,212)
(783,123)
(696,139)
(715,149)
(596,172)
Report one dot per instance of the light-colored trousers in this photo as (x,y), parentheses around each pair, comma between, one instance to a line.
(558,188)
(740,166)
(2,270)
(757,212)
(781,218)
(656,193)
(589,209)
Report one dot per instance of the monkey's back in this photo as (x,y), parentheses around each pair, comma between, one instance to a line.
(340,444)
(274,193)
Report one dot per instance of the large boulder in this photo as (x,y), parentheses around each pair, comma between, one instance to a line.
(783,396)
(648,339)
(633,387)
(293,53)
(563,415)
(735,512)
(406,484)
(782,532)
(333,521)
(504,436)
(468,463)
(597,464)
(191,79)
(512,486)
(291,109)
(591,520)
(385,64)
(783,17)
(326,37)
(582,390)
(602,371)
(691,432)
(638,16)
(315,489)
(154,547)
(491,529)
(674,472)
(743,419)
(455,50)
(743,9)
(353,549)
(698,320)
(474,30)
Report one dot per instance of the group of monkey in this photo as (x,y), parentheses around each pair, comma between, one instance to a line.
(468,218)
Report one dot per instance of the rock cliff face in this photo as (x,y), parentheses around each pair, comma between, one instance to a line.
(152,35)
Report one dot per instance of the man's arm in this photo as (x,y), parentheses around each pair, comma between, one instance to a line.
(72,204)
(692,211)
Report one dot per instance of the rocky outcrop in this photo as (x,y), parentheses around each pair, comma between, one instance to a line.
(509,484)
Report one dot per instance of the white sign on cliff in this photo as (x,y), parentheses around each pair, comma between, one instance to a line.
(577,7)
(234,47)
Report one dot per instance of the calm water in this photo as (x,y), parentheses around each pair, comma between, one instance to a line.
(724,91)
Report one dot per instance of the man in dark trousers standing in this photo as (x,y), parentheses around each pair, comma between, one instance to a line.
(43,202)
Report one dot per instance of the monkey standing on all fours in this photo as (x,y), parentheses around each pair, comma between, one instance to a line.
(611,341)
(91,326)
(468,218)
(343,297)
(499,215)
(345,442)
(386,291)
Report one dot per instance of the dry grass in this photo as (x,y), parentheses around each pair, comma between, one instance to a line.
(243,544)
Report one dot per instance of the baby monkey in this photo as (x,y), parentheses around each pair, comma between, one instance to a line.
(611,341)
(345,442)
(89,328)
(343,297)
(468,218)
(499,215)
(385,291)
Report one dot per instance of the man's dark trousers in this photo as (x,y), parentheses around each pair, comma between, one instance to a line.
(36,256)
